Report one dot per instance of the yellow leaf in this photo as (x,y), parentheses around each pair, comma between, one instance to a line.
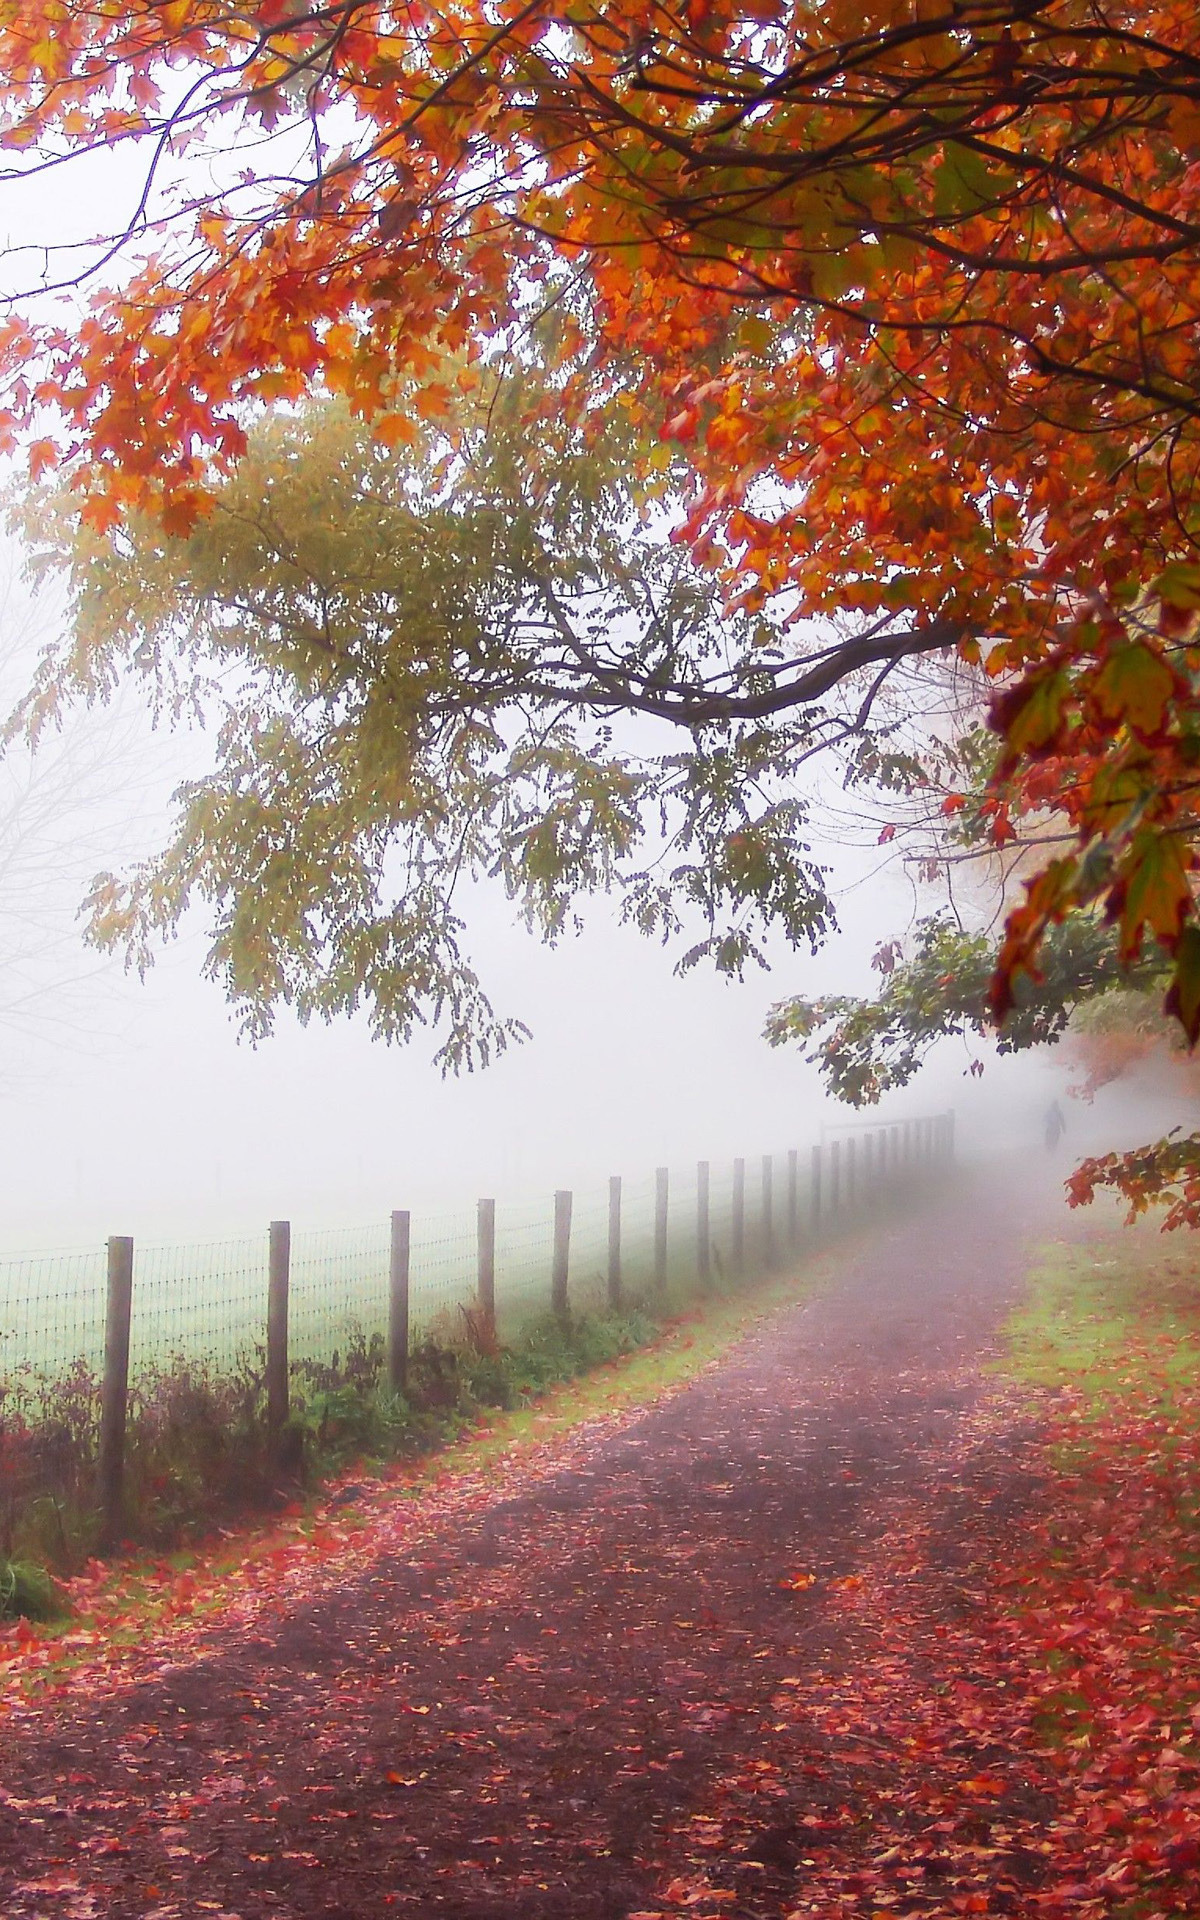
(756,334)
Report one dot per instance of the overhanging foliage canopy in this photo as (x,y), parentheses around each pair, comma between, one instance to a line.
(915,289)
(412,658)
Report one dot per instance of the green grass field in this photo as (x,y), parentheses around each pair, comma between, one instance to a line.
(208,1300)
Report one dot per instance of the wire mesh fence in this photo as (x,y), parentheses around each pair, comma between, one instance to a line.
(675,1229)
(204,1302)
(267,1305)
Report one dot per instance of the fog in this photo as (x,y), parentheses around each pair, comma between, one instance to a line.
(132,1106)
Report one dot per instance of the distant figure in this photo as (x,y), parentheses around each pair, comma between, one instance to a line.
(1056,1126)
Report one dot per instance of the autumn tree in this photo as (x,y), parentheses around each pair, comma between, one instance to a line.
(915,290)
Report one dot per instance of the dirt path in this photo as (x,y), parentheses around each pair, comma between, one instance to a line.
(548,1707)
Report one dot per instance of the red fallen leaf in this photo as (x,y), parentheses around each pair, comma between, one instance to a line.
(691,1893)
(1182,1856)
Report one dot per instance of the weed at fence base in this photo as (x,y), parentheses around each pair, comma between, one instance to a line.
(27,1592)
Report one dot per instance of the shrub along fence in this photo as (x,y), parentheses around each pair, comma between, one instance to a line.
(84,1334)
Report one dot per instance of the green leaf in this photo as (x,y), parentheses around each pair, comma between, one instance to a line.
(964,182)
(1135,684)
(1179,585)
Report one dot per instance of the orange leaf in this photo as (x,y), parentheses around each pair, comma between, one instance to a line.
(42,454)
(1153,891)
(433,402)
(395,429)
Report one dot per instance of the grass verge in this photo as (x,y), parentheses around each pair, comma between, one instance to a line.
(1114,1315)
(1102,1605)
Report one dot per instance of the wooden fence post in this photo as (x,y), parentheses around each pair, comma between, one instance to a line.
(661,1199)
(835,1177)
(738,1251)
(815,1197)
(793,1196)
(279,1274)
(559,1298)
(485,1247)
(398,1268)
(614,1242)
(114,1393)
(703,1228)
(768,1209)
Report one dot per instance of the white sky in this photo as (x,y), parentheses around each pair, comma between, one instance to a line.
(132,1107)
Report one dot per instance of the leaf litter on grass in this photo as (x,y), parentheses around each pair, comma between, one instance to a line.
(1019,1733)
